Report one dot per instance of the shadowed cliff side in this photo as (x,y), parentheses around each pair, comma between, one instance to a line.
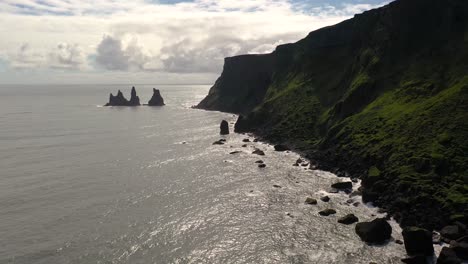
(382,96)
(242,85)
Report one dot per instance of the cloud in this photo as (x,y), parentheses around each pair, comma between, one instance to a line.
(67,56)
(191,37)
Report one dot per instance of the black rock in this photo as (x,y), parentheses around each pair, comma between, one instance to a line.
(276,186)
(415,260)
(348,219)
(461,249)
(310,200)
(134,99)
(235,152)
(325,199)
(259,161)
(418,241)
(244,146)
(262,165)
(224,127)
(246,140)
(156,99)
(327,212)
(448,256)
(376,231)
(258,152)
(281,147)
(451,232)
(342,185)
(219,142)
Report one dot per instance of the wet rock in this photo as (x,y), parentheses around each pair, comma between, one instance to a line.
(451,232)
(258,152)
(325,199)
(327,212)
(399,242)
(276,186)
(235,152)
(156,99)
(219,142)
(418,241)
(244,146)
(305,164)
(246,140)
(295,164)
(356,204)
(281,147)
(376,231)
(263,165)
(259,161)
(224,127)
(415,260)
(298,161)
(310,200)
(342,185)
(448,256)
(461,249)
(348,219)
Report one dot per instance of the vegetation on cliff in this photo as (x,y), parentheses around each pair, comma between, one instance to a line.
(383,96)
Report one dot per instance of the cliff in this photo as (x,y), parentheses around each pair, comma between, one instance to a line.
(382,96)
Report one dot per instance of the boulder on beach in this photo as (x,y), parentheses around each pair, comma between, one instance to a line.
(451,232)
(246,140)
(325,199)
(418,241)
(327,212)
(448,256)
(415,260)
(156,99)
(224,127)
(258,152)
(219,142)
(376,231)
(281,147)
(310,200)
(259,161)
(342,185)
(348,219)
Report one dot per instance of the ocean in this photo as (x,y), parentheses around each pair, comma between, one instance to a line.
(83,183)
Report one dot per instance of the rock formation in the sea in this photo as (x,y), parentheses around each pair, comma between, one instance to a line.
(377,231)
(120,100)
(224,128)
(134,99)
(156,99)
(381,96)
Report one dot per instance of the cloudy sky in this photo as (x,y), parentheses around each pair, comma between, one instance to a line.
(150,41)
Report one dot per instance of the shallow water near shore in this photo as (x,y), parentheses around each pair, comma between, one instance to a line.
(81,183)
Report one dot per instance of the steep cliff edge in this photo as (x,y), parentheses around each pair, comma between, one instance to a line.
(383,96)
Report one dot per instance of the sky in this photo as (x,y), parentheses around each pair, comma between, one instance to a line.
(150,41)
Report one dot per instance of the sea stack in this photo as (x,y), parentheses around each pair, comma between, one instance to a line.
(134,99)
(156,99)
(224,127)
(120,100)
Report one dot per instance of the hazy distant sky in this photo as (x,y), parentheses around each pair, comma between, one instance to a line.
(138,41)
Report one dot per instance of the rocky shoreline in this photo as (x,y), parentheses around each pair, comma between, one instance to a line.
(417,240)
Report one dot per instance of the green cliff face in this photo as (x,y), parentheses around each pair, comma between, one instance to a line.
(383,96)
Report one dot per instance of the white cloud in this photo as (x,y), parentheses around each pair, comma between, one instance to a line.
(138,36)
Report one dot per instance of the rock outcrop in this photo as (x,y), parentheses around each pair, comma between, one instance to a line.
(156,99)
(377,231)
(120,100)
(224,128)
